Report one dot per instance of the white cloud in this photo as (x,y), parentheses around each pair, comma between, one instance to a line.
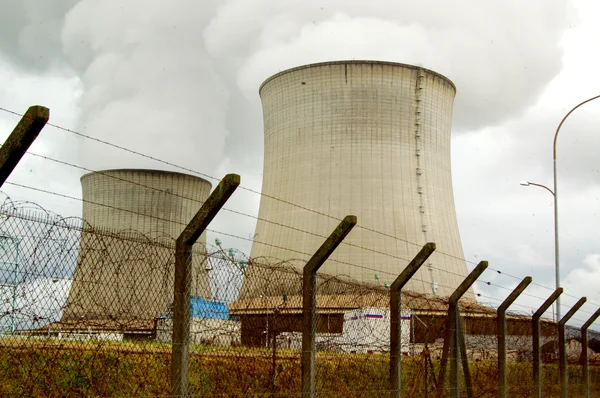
(521,47)
(173,81)
(584,281)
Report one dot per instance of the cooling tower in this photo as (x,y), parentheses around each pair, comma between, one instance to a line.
(126,257)
(366,138)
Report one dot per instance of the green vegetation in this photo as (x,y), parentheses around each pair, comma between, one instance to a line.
(99,370)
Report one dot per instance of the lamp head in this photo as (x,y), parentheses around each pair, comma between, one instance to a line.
(524,183)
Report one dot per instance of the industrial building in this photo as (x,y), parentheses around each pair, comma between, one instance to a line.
(366,138)
(126,258)
(209,324)
(424,320)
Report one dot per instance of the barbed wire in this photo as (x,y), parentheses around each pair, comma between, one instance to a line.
(268,221)
(277,199)
(272,364)
(241,187)
(272,245)
(287,249)
(258,218)
(254,240)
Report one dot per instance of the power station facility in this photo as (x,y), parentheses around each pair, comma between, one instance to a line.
(366,138)
(127,254)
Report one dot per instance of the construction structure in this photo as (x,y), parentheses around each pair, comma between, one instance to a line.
(365,138)
(126,258)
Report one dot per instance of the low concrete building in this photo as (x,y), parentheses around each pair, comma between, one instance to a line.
(263,317)
(368,330)
(364,330)
(210,325)
(138,330)
(203,331)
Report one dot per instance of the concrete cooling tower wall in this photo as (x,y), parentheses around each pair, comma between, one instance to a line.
(126,257)
(365,138)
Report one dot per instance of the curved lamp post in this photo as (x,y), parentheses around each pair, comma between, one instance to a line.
(554,192)
(526,184)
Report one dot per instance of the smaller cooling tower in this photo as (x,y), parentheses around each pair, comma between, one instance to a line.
(126,257)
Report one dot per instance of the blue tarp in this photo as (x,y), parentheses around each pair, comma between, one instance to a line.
(202,308)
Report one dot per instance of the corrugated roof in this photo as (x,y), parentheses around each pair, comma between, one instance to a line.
(96,325)
(344,302)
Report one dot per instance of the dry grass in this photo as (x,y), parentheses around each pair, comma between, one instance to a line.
(114,371)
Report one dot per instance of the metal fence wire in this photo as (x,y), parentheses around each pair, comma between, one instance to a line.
(89,312)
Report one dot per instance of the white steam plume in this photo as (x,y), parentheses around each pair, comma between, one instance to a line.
(149,83)
(500,54)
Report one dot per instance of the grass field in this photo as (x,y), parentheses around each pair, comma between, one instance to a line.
(44,369)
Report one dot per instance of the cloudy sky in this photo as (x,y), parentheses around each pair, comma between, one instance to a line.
(179,81)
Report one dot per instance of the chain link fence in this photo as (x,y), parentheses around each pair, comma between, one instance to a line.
(89,312)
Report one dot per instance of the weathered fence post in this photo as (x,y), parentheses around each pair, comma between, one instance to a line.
(183,279)
(584,353)
(396,316)
(535,334)
(309,305)
(452,341)
(562,357)
(501,333)
(21,138)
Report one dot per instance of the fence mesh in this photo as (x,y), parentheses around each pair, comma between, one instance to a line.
(89,312)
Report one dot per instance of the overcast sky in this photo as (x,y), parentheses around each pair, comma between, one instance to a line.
(179,80)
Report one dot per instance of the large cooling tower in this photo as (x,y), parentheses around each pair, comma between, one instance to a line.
(126,257)
(365,138)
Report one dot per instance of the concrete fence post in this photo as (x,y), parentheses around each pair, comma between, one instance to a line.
(453,341)
(535,334)
(183,280)
(562,356)
(309,305)
(584,353)
(396,316)
(21,138)
(501,333)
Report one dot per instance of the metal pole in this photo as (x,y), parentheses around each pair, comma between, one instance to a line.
(21,138)
(309,305)
(274,357)
(564,376)
(452,341)
(584,353)
(396,316)
(556,249)
(463,354)
(556,254)
(537,355)
(454,355)
(183,281)
(501,333)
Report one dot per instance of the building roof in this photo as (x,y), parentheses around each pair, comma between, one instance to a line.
(100,325)
(420,303)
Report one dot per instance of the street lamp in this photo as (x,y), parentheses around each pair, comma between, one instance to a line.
(554,192)
(557,276)
(528,183)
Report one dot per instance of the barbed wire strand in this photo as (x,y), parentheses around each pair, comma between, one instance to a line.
(220,232)
(120,147)
(232,211)
(273,198)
